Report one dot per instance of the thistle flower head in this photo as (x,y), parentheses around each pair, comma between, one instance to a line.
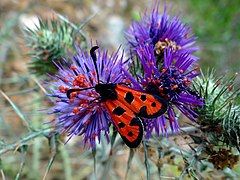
(219,118)
(48,41)
(83,114)
(171,81)
(162,31)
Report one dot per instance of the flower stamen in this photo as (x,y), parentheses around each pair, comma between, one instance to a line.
(87,122)
(73,67)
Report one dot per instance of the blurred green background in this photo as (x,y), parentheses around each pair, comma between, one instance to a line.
(215,22)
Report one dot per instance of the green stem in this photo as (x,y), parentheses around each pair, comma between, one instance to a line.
(146,159)
(30,137)
(66,162)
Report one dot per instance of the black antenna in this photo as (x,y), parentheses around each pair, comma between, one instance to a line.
(75,90)
(94,58)
(71,91)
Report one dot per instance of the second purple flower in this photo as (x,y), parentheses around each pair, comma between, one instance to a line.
(162,31)
(171,81)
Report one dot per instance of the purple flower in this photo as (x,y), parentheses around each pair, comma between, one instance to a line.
(82,114)
(162,31)
(170,80)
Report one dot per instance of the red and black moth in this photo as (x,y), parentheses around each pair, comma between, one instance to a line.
(125,106)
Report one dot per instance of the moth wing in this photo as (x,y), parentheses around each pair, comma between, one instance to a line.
(127,123)
(143,104)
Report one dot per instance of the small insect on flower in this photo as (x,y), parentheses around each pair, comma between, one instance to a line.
(124,105)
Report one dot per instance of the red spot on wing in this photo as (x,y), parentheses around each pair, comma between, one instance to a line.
(128,125)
